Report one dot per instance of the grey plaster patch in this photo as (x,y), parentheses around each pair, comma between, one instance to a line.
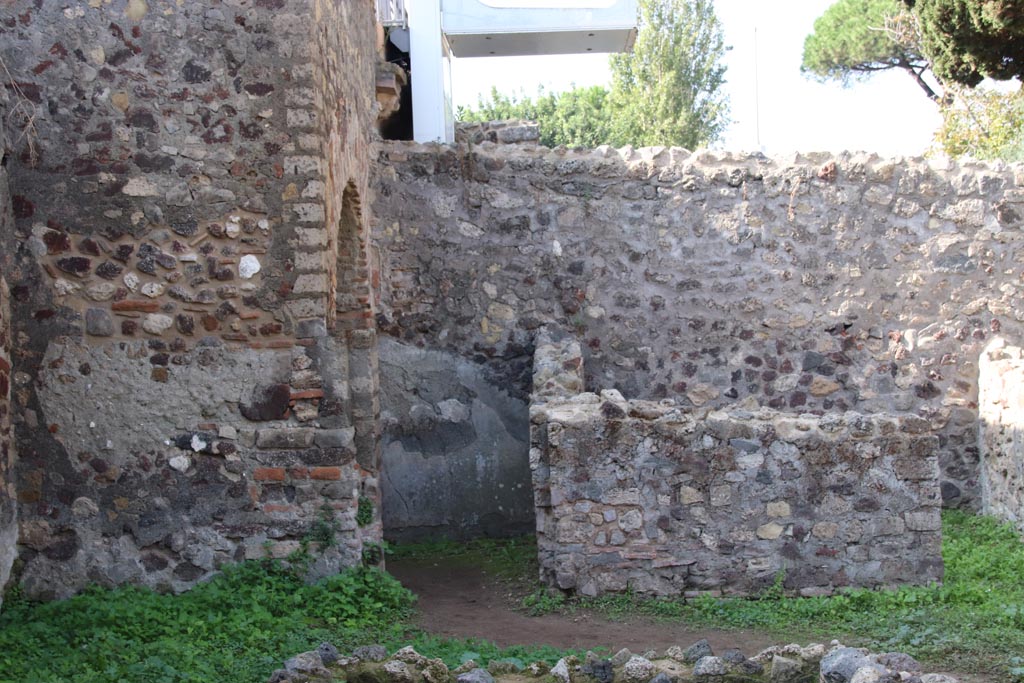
(455,448)
(89,412)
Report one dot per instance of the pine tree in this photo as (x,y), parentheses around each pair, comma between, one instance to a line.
(969,40)
(856,38)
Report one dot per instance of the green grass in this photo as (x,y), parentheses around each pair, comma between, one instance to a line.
(507,558)
(238,627)
(973,622)
(455,651)
(243,624)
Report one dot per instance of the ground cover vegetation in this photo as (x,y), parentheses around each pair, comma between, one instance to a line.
(974,621)
(236,628)
(241,625)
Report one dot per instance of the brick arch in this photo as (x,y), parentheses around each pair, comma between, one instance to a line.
(349,304)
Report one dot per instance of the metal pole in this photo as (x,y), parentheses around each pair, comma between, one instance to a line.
(757,95)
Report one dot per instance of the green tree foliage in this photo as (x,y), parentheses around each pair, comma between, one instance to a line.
(960,41)
(580,117)
(668,91)
(969,40)
(855,38)
(984,124)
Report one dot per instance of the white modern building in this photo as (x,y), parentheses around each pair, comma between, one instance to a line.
(435,31)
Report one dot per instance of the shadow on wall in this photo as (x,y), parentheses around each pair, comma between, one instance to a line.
(455,460)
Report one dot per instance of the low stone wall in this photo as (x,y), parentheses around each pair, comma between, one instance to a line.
(646,497)
(695,664)
(1001,440)
(659,499)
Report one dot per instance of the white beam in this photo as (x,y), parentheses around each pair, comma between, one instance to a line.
(431,80)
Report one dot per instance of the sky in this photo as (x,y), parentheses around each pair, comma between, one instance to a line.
(774,108)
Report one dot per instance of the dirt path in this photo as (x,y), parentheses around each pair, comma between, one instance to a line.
(462,601)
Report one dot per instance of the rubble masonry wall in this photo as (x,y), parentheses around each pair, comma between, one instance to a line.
(8,493)
(813,284)
(658,499)
(195,371)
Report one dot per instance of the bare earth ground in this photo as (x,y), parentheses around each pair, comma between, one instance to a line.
(460,601)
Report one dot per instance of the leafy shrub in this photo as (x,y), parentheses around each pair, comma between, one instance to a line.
(239,627)
(324,529)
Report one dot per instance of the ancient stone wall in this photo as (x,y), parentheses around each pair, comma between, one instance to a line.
(8,506)
(654,498)
(513,131)
(187,189)
(1001,439)
(811,284)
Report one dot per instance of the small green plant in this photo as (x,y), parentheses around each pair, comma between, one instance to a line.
(578,323)
(364,511)
(373,553)
(323,531)
(543,601)
(776,591)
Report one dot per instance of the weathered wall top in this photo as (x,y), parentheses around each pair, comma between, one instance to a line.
(808,284)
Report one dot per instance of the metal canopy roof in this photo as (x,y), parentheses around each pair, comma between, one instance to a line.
(541,43)
(501,28)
